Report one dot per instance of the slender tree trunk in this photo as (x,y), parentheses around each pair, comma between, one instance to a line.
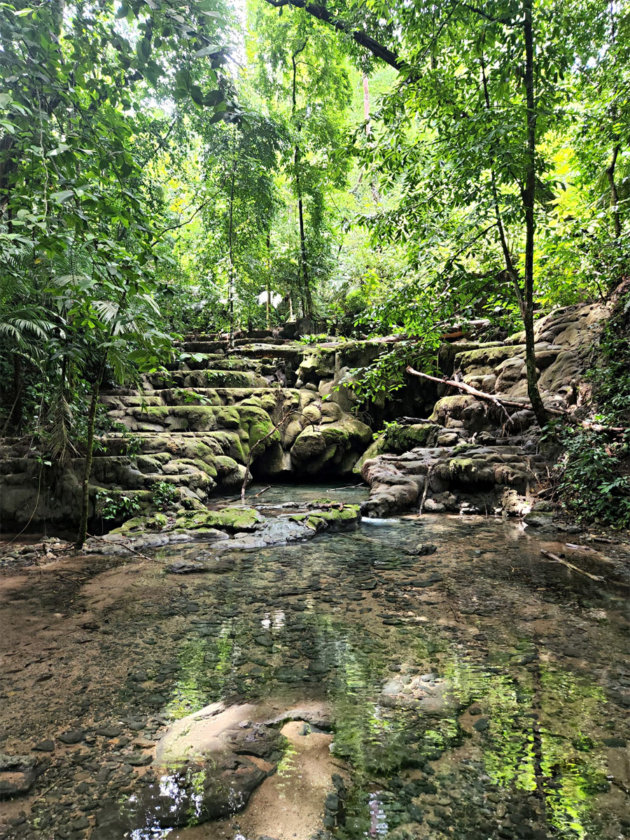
(614,196)
(529,197)
(307,296)
(268,290)
(231,278)
(89,455)
(304,280)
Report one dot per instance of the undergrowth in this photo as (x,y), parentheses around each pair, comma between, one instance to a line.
(593,474)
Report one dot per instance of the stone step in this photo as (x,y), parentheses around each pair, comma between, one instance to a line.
(194,418)
(201,346)
(213,378)
(212,361)
(199,396)
(289,351)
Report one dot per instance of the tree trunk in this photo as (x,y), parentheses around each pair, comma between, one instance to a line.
(231,278)
(268,290)
(614,196)
(304,280)
(87,465)
(529,197)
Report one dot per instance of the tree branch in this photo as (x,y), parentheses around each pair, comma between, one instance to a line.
(500,402)
(358,35)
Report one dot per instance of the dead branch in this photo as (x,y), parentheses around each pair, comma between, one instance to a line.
(571,566)
(501,402)
(475,392)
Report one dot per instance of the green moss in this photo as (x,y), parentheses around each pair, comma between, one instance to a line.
(488,355)
(234,379)
(337,517)
(139,524)
(228,417)
(399,439)
(229,519)
(157,522)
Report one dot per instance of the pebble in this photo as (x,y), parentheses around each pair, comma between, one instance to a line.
(47,745)
(71,736)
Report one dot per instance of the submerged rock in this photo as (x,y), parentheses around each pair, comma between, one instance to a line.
(17,774)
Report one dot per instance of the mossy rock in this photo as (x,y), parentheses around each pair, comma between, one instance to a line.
(376,448)
(334,518)
(228,417)
(230,444)
(399,439)
(309,445)
(139,524)
(228,519)
(234,379)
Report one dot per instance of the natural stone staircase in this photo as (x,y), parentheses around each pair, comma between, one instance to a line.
(279,408)
(200,424)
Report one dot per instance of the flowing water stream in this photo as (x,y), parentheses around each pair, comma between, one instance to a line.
(474,691)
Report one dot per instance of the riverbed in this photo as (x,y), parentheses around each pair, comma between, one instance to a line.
(452,682)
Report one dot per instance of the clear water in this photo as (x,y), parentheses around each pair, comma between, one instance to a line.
(477,692)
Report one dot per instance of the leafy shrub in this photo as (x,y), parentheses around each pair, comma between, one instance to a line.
(164,495)
(593,481)
(116,506)
(594,471)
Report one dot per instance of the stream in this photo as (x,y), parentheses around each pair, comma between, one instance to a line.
(454,684)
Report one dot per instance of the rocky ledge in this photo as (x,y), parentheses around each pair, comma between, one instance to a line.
(227,528)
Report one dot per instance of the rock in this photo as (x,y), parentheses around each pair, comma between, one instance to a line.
(109,731)
(47,745)
(17,774)
(431,506)
(180,567)
(138,759)
(197,792)
(71,736)
(423,549)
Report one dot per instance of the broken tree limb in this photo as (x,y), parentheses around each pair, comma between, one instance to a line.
(501,402)
(571,566)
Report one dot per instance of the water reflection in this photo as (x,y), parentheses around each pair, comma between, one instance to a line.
(458,697)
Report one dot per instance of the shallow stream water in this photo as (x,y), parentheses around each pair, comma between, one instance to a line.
(479,691)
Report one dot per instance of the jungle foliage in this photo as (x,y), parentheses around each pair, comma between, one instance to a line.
(368,167)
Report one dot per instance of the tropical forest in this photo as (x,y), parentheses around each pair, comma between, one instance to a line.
(314,419)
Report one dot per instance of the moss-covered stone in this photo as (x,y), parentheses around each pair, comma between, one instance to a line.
(399,439)
(333,518)
(228,519)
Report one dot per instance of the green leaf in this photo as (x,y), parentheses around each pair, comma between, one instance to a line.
(213,98)
(196,94)
(183,80)
(62,196)
(210,50)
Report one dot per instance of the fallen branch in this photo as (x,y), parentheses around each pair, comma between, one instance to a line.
(501,402)
(475,392)
(571,566)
